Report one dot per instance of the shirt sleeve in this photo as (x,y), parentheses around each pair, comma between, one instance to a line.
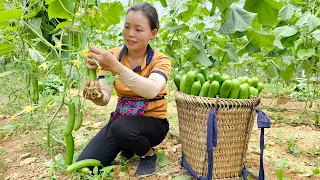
(162,66)
(146,87)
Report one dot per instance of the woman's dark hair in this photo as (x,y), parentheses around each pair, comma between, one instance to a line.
(149,11)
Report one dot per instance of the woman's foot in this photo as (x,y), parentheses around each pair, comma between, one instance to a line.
(147,166)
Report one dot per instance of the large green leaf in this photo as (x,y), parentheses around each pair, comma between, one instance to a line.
(9,14)
(306,53)
(110,13)
(272,71)
(175,4)
(238,20)
(309,20)
(186,15)
(285,31)
(224,4)
(267,10)
(5,48)
(261,39)
(232,52)
(35,24)
(288,73)
(287,11)
(163,160)
(316,35)
(203,57)
(60,9)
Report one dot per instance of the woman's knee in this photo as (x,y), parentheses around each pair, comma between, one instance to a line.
(122,132)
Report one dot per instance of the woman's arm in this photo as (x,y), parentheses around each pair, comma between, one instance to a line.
(106,90)
(103,88)
(146,87)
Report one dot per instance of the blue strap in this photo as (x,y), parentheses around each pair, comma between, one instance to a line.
(263,122)
(212,138)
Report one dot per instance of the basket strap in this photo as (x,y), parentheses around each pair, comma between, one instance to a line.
(212,137)
(263,122)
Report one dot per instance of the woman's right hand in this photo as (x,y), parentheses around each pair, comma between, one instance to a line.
(93,92)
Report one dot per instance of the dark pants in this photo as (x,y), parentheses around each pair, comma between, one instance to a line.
(133,133)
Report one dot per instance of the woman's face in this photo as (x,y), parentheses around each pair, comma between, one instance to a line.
(136,31)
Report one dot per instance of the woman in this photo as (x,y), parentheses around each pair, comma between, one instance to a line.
(140,119)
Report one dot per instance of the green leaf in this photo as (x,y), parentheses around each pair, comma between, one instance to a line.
(10,127)
(180,10)
(176,28)
(262,39)
(232,52)
(224,4)
(238,20)
(50,1)
(175,4)
(5,48)
(95,170)
(186,15)
(182,178)
(35,23)
(162,159)
(272,71)
(110,13)
(285,31)
(306,53)
(308,20)
(282,163)
(108,169)
(286,12)
(288,41)
(163,3)
(56,9)
(267,10)
(9,14)
(316,34)
(36,55)
(316,171)
(35,12)
(288,73)
(203,57)
(63,24)
(279,174)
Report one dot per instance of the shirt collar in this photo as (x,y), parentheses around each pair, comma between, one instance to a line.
(149,56)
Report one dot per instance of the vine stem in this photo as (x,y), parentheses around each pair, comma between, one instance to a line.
(44,40)
(49,127)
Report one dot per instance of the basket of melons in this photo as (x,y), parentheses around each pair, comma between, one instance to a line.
(234,100)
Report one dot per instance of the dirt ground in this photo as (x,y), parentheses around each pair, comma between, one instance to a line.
(27,153)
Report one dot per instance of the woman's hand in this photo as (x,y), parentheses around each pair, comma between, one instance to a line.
(93,92)
(105,59)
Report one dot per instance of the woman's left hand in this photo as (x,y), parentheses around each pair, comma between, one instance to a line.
(106,60)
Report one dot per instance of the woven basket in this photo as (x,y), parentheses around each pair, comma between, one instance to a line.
(235,120)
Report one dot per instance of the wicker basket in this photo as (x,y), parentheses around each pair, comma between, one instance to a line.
(235,121)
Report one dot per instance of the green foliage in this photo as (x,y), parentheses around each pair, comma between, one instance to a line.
(182,178)
(267,10)
(163,160)
(293,147)
(7,130)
